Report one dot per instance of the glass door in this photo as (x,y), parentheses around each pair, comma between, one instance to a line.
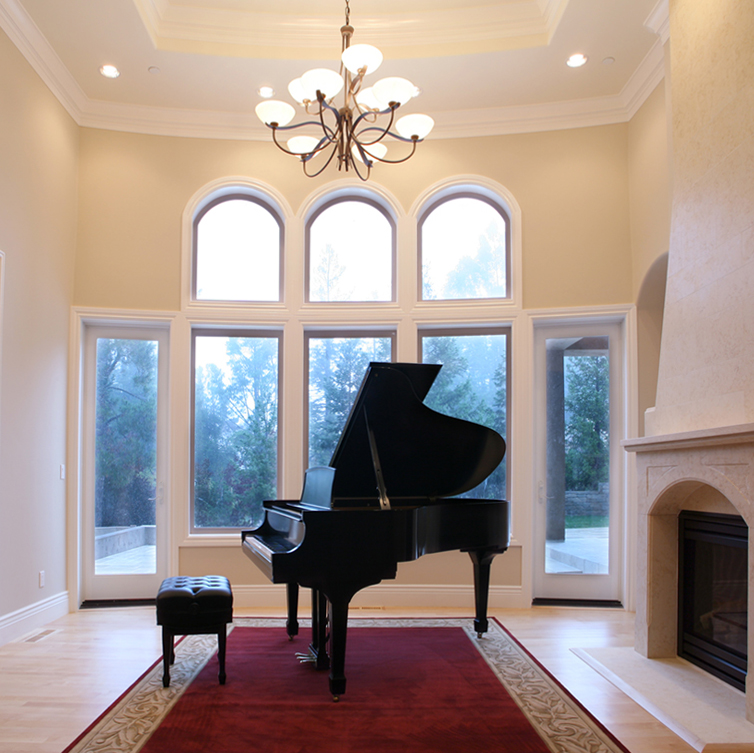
(577,521)
(124,540)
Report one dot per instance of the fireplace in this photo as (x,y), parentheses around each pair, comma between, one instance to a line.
(710,471)
(712,593)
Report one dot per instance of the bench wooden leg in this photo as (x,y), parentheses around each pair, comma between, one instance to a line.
(168,656)
(222,637)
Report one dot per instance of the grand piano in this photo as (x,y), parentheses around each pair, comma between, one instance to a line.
(383,499)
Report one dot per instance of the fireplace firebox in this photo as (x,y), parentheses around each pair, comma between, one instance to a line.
(712,593)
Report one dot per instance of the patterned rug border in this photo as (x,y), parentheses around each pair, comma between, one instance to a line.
(559,719)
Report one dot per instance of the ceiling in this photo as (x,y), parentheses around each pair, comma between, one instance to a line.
(193,67)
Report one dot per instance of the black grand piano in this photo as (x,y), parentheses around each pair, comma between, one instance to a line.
(383,500)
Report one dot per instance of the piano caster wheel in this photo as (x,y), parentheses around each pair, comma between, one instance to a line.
(290,638)
(335,698)
(480,635)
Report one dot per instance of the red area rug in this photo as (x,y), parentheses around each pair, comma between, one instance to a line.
(416,686)
(412,690)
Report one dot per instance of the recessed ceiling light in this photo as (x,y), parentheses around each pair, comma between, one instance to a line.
(609,61)
(577,60)
(154,70)
(109,71)
(265,92)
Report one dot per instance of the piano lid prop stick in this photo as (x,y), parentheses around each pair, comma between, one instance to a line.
(384,501)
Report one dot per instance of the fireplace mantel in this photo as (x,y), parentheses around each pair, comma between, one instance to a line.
(725,435)
(711,470)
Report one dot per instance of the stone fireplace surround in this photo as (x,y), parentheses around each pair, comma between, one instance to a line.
(710,470)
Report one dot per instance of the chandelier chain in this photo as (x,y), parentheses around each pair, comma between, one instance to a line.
(348,13)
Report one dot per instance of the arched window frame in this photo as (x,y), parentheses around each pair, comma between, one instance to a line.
(339,197)
(204,200)
(501,199)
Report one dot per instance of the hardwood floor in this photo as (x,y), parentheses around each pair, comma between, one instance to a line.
(55,681)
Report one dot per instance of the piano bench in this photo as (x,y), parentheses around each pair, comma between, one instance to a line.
(193,606)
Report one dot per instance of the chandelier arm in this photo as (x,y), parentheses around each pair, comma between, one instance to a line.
(306,157)
(413,142)
(384,131)
(392,134)
(355,163)
(323,143)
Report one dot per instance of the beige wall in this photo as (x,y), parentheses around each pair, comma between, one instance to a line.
(707,357)
(649,185)
(572,187)
(650,197)
(38,196)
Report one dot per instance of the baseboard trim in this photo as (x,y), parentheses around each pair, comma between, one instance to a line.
(385,596)
(23,621)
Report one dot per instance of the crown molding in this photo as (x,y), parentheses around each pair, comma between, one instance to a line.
(163,121)
(32,44)
(658,20)
(253,30)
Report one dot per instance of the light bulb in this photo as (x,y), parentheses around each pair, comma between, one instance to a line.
(302,144)
(393,89)
(378,151)
(360,56)
(367,99)
(275,111)
(576,60)
(416,124)
(296,90)
(321,79)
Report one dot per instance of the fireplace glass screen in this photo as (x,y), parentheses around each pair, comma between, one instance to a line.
(712,595)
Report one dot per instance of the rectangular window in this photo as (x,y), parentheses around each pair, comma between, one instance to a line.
(472,385)
(235,427)
(125,456)
(336,365)
(578,454)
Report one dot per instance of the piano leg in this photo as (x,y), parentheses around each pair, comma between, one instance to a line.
(291,625)
(338,631)
(482,560)
(318,647)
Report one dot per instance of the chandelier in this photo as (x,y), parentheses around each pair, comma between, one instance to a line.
(354,134)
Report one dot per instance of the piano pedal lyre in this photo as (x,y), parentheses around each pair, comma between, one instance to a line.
(307,657)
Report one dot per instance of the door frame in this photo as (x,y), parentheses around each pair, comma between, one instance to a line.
(157,325)
(613,587)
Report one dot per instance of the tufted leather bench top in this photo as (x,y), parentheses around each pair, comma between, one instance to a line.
(192,606)
(202,600)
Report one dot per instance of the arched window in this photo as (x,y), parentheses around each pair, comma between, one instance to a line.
(350,252)
(464,249)
(238,243)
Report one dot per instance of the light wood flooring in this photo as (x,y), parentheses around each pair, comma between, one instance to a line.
(54,684)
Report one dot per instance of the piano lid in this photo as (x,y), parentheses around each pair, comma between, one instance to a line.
(422,453)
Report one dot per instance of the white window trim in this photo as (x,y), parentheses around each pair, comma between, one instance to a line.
(229,186)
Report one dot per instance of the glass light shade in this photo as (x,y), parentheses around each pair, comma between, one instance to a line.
(374,150)
(302,144)
(275,111)
(296,90)
(360,56)
(416,124)
(367,99)
(322,79)
(393,89)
